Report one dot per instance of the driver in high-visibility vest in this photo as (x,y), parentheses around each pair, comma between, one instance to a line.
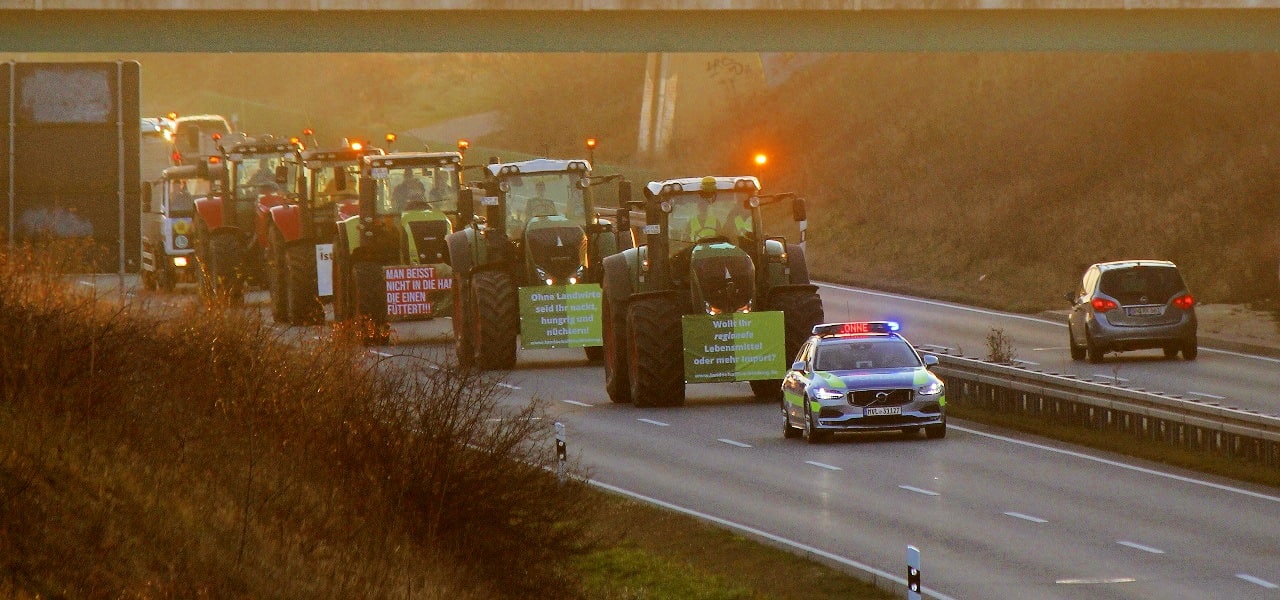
(707,223)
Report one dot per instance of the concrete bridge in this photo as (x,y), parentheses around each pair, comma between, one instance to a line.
(637,25)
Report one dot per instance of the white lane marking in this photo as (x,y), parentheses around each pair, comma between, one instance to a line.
(509,386)
(1096,580)
(1017,515)
(919,490)
(734,443)
(1204,395)
(382,354)
(1216,486)
(576,403)
(1010,316)
(823,465)
(1137,546)
(807,549)
(652,422)
(1053,349)
(433,366)
(89,283)
(1257,581)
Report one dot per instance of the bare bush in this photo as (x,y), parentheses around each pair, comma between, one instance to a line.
(202,453)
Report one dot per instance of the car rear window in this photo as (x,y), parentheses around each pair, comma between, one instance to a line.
(1142,284)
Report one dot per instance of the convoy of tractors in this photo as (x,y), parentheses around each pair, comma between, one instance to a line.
(685,285)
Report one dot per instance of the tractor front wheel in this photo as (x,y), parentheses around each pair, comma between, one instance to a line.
(655,357)
(496,318)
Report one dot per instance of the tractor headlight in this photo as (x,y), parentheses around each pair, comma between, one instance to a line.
(711,310)
(179,261)
(826,394)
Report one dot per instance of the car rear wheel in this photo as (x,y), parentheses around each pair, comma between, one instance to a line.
(1077,352)
(788,431)
(1093,351)
(1189,350)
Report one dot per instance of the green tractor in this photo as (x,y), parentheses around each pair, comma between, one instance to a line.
(530,265)
(390,259)
(705,254)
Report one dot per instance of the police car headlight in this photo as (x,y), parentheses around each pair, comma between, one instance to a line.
(826,394)
(932,388)
(180,241)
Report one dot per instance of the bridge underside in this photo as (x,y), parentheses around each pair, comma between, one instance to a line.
(933,30)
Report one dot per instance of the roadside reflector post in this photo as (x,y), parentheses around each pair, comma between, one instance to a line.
(913,573)
(561,454)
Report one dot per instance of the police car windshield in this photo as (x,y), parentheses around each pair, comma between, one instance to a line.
(695,218)
(864,353)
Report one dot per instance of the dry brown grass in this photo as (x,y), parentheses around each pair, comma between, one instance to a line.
(200,454)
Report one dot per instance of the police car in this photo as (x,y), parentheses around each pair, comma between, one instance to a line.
(861,376)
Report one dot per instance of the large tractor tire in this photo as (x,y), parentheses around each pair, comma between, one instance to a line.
(166,279)
(463,329)
(801,309)
(226,252)
(496,319)
(275,275)
(617,289)
(300,286)
(203,268)
(369,293)
(655,357)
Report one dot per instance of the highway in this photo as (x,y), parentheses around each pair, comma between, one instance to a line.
(994,514)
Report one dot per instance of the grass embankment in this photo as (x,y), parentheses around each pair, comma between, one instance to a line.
(203,453)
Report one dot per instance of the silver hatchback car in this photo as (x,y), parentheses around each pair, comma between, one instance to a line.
(1132,305)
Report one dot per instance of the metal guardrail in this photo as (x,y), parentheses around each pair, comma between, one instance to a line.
(1070,400)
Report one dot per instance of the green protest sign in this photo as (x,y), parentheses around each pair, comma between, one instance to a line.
(734,347)
(561,316)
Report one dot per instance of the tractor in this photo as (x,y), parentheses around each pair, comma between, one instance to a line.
(300,232)
(529,265)
(230,239)
(705,253)
(168,205)
(390,261)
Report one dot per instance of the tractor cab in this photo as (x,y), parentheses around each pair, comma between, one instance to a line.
(168,205)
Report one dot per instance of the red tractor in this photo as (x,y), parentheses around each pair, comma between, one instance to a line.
(300,232)
(230,240)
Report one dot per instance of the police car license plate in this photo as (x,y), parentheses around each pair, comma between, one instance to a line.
(877,411)
(1145,311)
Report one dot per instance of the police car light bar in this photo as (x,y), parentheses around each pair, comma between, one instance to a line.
(856,328)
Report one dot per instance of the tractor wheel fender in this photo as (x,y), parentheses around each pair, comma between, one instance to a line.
(797,263)
(210,212)
(461,252)
(287,218)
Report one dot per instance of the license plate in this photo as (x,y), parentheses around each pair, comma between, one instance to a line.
(1145,311)
(878,411)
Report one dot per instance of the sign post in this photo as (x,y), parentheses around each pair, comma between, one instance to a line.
(562,455)
(913,573)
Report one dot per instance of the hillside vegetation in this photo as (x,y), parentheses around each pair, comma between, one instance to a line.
(988,178)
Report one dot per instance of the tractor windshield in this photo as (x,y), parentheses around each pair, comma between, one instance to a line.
(548,194)
(418,188)
(256,176)
(334,184)
(183,193)
(695,218)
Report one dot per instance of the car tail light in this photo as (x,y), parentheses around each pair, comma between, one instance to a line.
(1103,305)
(1185,302)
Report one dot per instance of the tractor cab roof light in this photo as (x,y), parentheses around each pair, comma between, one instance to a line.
(856,327)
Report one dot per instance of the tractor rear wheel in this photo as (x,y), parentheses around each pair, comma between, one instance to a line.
(225,255)
(616,289)
(370,300)
(463,330)
(655,357)
(496,319)
(275,277)
(801,309)
(300,286)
